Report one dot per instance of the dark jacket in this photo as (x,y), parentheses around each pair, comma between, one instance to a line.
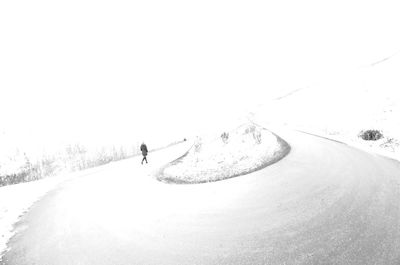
(143,148)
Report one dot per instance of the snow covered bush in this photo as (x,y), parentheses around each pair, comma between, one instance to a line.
(18,167)
(225,137)
(256,133)
(197,144)
(371,135)
(216,160)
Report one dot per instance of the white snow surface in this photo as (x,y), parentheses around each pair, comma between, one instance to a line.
(246,149)
(337,108)
(342,106)
(16,199)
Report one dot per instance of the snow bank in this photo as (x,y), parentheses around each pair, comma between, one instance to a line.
(246,149)
(15,200)
(341,107)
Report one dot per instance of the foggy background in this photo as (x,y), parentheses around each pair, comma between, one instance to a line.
(125,71)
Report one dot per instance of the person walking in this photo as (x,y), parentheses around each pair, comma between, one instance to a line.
(143,148)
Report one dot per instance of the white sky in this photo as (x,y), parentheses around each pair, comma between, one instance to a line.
(106,71)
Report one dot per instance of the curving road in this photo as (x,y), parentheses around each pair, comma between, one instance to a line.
(325,203)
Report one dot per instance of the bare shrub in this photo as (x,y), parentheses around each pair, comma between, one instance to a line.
(252,129)
(257,136)
(225,137)
(197,145)
(371,135)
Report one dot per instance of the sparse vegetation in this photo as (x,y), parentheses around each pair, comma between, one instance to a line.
(20,168)
(252,129)
(197,145)
(390,144)
(240,152)
(371,135)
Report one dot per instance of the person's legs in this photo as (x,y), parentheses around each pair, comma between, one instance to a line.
(144,159)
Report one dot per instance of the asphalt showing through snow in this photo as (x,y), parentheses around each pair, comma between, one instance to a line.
(325,203)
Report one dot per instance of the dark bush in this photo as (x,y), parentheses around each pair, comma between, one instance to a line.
(371,135)
(225,137)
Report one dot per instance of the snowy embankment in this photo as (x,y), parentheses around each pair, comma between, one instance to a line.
(15,200)
(246,149)
(342,107)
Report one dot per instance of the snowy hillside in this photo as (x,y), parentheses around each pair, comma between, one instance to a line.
(241,151)
(342,106)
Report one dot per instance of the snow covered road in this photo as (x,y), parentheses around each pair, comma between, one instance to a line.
(325,203)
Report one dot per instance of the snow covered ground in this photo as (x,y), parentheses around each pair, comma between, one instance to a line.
(338,108)
(342,106)
(16,199)
(243,150)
